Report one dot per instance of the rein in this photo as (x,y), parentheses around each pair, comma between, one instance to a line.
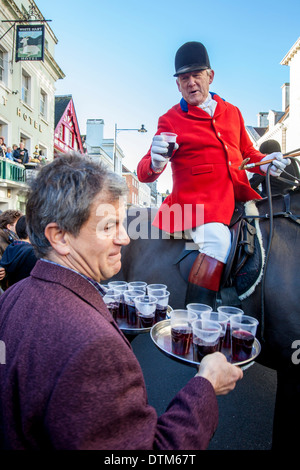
(286,213)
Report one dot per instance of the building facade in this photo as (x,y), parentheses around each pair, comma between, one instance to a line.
(27,97)
(284,125)
(67,136)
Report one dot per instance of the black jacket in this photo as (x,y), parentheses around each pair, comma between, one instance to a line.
(18,260)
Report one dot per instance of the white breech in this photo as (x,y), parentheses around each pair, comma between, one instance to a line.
(213,239)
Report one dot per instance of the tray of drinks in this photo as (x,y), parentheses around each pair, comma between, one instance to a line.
(190,353)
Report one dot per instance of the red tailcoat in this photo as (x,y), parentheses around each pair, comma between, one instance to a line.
(206,178)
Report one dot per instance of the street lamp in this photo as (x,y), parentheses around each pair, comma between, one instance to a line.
(141,129)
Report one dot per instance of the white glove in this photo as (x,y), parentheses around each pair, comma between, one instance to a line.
(277,166)
(159,150)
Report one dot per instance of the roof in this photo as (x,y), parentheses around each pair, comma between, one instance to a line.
(293,51)
(61,103)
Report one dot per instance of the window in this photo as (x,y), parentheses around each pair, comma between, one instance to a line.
(43,104)
(71,139)
(3,66)
(25,87)
(61,133)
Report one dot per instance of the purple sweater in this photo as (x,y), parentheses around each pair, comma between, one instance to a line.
(72,381)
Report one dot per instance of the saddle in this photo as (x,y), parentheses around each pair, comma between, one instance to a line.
(237,276)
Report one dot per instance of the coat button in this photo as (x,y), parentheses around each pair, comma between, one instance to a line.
(219,134)
(229,163)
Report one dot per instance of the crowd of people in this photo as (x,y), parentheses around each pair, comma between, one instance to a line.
(18,154)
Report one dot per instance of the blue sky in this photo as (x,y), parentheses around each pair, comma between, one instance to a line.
(118,58)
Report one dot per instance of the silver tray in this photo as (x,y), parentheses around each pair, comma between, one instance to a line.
(161,336)
(129,330)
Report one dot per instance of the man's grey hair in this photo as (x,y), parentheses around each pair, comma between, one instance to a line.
(63,192)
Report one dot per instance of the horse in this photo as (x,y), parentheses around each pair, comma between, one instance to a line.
(153,256)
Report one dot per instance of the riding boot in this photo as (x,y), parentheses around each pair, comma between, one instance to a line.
(204,280)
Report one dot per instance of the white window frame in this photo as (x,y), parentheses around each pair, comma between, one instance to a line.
(43,104)
(26,87)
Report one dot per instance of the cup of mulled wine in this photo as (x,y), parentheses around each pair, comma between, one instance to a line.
(181,331)
(112,300)
(129,305)
(161,305)
(243,331)
(228,310)
(220,318)
(206,337)
(169,137)
(121,287)
(145,306)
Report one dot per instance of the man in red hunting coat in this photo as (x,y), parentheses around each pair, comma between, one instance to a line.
(211,144)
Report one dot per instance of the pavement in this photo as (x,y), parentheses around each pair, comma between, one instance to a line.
(245,414)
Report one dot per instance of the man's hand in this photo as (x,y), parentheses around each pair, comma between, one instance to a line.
(277,166)
(159,149)
(221,374)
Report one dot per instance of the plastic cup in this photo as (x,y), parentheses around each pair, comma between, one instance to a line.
(121,287)
(181,330)
(145,309)
(169,137)
(243,331)
(222,319)
(206,337)
(112,300)
(129,305)
(228,310)
(137,285)
(113,284)
(162,305)
(152,287)
(199,308)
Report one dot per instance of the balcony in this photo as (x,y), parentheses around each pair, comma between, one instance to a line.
(11,173)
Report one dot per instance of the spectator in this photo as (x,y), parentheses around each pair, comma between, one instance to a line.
(8,220)
(19,258)
(71,380)
(9,154)
(21,154)
(2,148)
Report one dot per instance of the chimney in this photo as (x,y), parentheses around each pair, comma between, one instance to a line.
(94,132)
(285,96)
(262,120)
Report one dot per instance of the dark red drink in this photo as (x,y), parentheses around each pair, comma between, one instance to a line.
(114,310)
(201,349)
(131,315)
(242,342)
(170,149)
(221,341)
(227,338)
(122,311)
(146,321)
(181,340)
(160,313)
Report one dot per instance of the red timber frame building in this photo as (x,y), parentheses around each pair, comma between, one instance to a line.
(66,135)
